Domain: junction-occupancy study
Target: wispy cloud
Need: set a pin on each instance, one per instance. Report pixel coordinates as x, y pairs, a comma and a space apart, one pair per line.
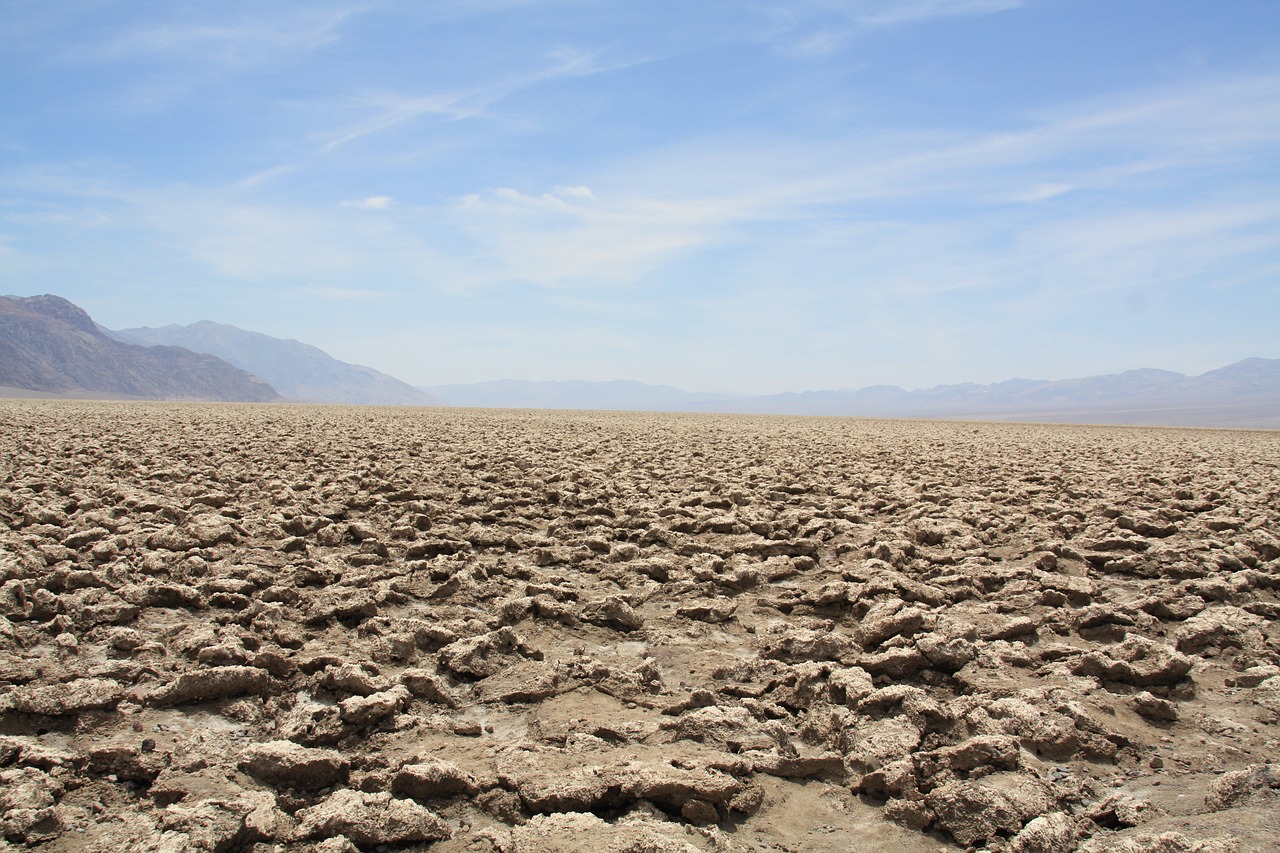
820, 27
913, 11
966, 193
221, 38
340, 294
1071, 209
391, 110
373, 202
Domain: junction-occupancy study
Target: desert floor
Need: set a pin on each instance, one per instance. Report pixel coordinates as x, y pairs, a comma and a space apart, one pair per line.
292, 628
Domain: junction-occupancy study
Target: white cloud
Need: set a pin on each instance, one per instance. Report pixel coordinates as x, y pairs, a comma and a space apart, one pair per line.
219, 38
821, 27
890, 236
391, 109
913, 11
339, 294
373, 202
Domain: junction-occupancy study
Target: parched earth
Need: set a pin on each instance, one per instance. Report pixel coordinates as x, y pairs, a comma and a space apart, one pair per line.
275, 628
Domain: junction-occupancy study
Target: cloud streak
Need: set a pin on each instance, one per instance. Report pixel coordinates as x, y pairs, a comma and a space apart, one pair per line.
521, 164
392, 110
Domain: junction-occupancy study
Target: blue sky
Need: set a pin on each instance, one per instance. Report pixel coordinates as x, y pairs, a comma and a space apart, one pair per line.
726, 195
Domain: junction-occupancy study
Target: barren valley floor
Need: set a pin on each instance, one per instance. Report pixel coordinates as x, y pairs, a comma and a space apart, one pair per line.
293, 628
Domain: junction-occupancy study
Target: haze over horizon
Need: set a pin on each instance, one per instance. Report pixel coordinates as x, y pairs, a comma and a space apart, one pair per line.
731, 197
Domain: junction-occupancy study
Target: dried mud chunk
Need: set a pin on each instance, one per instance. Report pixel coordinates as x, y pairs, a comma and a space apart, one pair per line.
13, 600
162, 595
172, 539
708, 611
1154, 708
999, 627
1220, 626
427, 685
127, 763
528, 681
715, 725
1165, 842
849, 685
1121, 810
212, 825
975, 811
221, 682
946, 653
433, 778
1146, 527
895, 663
671, 785
1259, 782
1253, 676
354, 679
877, 743
343, 603
804, 645
210, 529
584, 833
826, 765
73, 697
1050, 833
612, 612
371, 819
888, 619
486, 654
1267, 694
31, 752
435, 547
982, 754
581, 789
27, 799
1048, 733
82, 538
363, 710
1137, 661
283, 762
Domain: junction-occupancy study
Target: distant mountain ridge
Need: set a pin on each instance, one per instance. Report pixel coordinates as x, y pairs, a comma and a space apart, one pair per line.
51, 346
619, 395
1244, 394
299, 371
48, 346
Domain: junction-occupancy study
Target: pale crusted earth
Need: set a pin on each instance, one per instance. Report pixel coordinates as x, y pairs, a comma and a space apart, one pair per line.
266, 628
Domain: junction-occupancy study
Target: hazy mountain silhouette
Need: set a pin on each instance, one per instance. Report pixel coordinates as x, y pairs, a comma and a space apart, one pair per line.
298, 371
1244, 394
49, 345
618, 395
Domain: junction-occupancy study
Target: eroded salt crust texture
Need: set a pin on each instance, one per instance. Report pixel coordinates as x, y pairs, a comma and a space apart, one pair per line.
318, 628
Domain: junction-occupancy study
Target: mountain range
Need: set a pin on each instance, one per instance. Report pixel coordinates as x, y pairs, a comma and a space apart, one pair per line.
50, 347
1244, 394
300, 372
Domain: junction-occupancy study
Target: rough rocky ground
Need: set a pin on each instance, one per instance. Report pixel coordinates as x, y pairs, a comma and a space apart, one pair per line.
270, 628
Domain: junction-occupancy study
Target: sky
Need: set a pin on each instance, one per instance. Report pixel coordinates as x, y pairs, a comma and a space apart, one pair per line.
747, 196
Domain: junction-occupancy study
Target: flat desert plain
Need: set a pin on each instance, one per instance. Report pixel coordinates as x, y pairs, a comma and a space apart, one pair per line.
290, 628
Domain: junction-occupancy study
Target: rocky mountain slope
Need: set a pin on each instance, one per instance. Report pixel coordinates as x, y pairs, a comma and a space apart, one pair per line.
298, 371
47, 344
